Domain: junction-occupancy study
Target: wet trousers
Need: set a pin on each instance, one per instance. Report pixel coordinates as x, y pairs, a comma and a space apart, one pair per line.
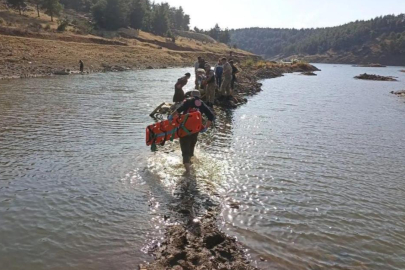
187, 145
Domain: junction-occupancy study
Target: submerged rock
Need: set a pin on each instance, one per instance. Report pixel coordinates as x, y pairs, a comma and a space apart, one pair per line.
200, 246
399, 93
62, 72
374, 77
370, 65
309, 73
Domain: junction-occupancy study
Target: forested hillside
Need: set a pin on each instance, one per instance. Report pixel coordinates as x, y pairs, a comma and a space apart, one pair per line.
377, 40
145, 15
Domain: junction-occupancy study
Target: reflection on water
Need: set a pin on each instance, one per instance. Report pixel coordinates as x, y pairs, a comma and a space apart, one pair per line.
309, 173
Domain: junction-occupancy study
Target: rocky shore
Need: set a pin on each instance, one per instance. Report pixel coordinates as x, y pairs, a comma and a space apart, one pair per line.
373, 77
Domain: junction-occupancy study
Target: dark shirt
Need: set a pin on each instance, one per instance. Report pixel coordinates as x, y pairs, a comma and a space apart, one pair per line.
196, 103
181, 82
234, 70
178, 89
218, 71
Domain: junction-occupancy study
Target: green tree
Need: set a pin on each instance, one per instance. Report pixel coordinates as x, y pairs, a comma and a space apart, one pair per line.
160, 19
138, 12
52, 8
116, 14
224, 36
37, 4
17, 4
98, 11
186, 22
214, 32
111, 14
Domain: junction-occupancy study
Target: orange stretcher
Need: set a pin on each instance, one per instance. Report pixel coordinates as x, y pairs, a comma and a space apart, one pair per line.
168, 130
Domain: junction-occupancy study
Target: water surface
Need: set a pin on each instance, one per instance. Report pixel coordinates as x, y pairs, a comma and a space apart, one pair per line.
315, 165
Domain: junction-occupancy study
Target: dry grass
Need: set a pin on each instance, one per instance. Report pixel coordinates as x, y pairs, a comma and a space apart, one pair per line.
31, 46
251, 63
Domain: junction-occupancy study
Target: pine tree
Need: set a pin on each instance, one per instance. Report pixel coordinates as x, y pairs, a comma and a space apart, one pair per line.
17, 4
137, 14
52, 8
116, 14
160, 19
98, 11
37, 5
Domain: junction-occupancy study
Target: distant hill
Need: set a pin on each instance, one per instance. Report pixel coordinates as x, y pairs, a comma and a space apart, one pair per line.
379, 40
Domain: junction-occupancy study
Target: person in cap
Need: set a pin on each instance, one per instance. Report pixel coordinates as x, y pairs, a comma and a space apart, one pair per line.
178, 88
210, 85
187, 143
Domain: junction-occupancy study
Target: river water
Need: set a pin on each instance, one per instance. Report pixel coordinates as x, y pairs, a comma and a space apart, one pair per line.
309, 173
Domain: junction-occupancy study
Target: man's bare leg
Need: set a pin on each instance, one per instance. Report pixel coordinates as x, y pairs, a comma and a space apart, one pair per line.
187, 166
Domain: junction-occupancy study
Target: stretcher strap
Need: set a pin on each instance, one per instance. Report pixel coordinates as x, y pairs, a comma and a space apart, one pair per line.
153, 136
183, 127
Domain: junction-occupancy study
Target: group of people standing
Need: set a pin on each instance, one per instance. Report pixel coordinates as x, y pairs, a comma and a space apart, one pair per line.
222, 77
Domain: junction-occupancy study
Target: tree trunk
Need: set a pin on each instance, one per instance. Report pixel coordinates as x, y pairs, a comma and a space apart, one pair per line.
51, 16
38, 10
19, 8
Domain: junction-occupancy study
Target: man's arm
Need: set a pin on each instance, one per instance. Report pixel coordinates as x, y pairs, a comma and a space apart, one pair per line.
205, 110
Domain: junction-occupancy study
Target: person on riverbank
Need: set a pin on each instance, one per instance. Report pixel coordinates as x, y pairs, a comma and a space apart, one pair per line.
81, 66
187, 143
234, 71
227, 78
178, 88
218, 73
210, 85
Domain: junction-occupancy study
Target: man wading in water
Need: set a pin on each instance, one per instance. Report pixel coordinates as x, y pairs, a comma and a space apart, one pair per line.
187, 143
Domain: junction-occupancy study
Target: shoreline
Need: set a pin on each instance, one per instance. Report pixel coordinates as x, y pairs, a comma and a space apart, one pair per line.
31, 57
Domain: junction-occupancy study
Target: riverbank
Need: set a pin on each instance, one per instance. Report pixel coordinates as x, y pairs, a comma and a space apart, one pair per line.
33, 57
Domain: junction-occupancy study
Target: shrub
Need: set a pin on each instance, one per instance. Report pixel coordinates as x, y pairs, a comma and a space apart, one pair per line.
62, 24
35, 26
2, 21
47, 27
249, 63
